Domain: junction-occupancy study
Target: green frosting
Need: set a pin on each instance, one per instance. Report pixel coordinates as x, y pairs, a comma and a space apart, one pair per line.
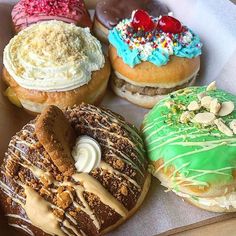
200, 154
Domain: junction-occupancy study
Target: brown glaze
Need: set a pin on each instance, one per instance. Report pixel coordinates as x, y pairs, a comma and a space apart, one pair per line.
110, 12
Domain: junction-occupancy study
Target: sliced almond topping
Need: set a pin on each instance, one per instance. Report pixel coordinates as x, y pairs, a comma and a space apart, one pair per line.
194, 106
226, 108
232, 126
205, 118
211, 86
185, 117
201, 95
215, 106
169, 103
206, 101
222, 127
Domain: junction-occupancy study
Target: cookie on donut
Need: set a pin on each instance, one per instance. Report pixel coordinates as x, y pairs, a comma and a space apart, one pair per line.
190, 138
28, 12
109, 13
54, 63
81, 172
152, 57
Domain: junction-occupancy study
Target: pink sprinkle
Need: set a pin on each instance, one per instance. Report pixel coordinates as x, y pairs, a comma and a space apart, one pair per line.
52, 7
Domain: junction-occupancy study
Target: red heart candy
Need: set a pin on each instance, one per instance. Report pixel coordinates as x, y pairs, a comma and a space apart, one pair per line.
169, 24
141, 19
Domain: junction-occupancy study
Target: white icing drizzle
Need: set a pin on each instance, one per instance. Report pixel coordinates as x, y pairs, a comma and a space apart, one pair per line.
23, 227
10, 194
186, 154
103, 165
135, 137
127, 159
170, 134
116, 120
156, 131
177, 138
18, 217
206, 143
69, 226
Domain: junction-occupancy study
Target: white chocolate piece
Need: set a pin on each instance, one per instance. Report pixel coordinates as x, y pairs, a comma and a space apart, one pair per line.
194, 106
226, 108
232, 126
222, 127
215, 106
206, 101
211, 86
205, 118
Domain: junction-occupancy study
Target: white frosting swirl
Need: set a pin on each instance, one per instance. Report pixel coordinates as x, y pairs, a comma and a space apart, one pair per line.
53, 56
86, 153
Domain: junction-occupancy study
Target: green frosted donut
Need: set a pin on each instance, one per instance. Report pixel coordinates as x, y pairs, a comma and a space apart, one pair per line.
188, 133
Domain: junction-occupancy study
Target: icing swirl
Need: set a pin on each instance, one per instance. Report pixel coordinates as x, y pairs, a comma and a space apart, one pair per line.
155, 46
201, 153
53, 56
86, 153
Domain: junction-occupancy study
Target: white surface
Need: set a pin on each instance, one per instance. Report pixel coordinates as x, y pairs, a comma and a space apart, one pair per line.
215, 22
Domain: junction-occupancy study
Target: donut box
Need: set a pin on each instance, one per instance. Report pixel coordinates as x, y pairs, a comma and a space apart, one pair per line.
163, 212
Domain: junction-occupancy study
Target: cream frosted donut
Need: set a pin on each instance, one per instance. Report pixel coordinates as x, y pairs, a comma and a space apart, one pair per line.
27, 12
55, 63
191, 142
152, 57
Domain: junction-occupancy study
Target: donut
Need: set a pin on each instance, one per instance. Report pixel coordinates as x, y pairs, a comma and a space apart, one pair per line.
107, 16
78, 172
28, 12
54, 63
190, 138
152, 57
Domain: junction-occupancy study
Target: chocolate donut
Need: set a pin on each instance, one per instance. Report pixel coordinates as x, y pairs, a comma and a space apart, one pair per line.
40, 196
109, 13
27, 12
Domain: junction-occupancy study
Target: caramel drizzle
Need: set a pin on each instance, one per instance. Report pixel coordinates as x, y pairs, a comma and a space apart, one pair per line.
89, 184
52, 206
79, 191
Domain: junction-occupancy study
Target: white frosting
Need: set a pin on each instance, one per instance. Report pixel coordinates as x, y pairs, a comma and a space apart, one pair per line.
226, 201
86, 153
53, 56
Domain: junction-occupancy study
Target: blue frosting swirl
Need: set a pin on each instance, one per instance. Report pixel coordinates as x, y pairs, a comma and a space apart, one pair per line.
158, 56
193, 49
